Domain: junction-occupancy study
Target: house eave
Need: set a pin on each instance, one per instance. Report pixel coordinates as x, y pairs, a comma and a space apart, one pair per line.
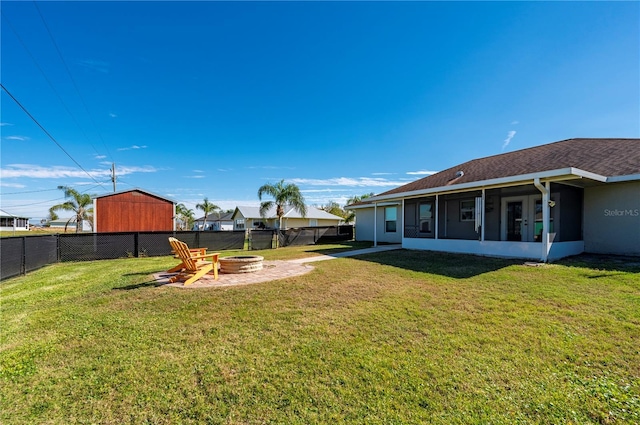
627, 178
569, 173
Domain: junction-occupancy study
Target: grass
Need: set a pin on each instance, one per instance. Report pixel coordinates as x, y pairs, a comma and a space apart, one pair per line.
394, 337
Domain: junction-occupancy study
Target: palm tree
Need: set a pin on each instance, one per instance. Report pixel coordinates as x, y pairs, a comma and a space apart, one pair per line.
185, 215
283, 194
79, 204
207, 207
354, 200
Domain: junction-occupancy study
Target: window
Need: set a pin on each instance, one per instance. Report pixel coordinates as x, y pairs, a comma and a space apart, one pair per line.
426, 217
468, 210
258, 224
240, 223
390, 219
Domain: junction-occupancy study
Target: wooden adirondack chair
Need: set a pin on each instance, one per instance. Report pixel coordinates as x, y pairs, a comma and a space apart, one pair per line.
193, 251
195, 265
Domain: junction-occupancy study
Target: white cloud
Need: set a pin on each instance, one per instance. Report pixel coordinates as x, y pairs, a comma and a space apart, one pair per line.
100, 156
16, 185
508, 139
348, 181
515, 122
20, 138
198, 176
112, 115
133, 147
382, 174
421, 173
39, 172
198, 171
2, 124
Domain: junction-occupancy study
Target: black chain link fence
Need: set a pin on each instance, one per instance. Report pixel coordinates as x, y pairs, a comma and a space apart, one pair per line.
22, 254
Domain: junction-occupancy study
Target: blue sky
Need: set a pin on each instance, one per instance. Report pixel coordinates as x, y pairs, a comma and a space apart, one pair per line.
342, 98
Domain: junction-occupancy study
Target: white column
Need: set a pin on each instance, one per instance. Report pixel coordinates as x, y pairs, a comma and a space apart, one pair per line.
436, 215
375, 224
484, 201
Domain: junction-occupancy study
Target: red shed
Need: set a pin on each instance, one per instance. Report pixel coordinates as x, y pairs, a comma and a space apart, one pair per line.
133, 210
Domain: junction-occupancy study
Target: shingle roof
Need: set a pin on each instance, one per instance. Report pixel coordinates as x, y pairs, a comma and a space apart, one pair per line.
290, 212
606, 157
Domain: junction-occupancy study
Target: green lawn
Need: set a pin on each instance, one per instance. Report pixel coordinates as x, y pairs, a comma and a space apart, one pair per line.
400, 337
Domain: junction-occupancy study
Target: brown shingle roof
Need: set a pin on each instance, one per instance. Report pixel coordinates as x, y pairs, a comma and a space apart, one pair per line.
606, 157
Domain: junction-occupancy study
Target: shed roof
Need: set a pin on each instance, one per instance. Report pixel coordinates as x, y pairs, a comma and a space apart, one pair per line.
164, 198
604, 157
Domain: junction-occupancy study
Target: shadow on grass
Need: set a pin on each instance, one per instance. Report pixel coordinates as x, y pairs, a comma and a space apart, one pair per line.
461, 266
147, 284
457, 266
612, 263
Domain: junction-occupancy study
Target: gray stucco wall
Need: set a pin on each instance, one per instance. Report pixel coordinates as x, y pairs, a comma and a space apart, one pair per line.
364, 225
612, 218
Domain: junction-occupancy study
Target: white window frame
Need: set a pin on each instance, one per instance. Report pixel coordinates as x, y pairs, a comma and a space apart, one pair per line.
387, 220
468, 212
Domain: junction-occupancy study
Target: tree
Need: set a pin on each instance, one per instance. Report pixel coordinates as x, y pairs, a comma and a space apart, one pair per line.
79, 204
185, 216
206, 207
49, 218
283, 195
334, 208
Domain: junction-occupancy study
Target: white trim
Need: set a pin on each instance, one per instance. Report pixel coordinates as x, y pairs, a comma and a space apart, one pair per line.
616, 179
95, 214
382, 204
375, 224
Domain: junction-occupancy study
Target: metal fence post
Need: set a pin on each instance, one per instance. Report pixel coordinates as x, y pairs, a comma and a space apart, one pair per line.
136, 244
23, 266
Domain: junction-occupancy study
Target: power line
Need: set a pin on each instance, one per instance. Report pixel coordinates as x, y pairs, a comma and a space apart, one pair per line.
47, 133
27, 191
53, 200
72, 79
49, 82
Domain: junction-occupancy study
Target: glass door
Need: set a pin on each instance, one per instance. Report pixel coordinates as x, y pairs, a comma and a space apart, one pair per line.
514, 221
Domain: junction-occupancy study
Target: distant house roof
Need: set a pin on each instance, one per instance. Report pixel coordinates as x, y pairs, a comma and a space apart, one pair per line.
214, 217
290, 212
600, 157
3, 213
135, 190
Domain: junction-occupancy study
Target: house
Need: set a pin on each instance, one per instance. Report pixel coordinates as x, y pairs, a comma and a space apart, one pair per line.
69, 224
250, 218
134, 210
214, 222
541, 203
10, 222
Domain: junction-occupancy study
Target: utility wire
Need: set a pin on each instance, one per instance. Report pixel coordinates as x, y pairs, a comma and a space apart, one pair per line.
27, 191
48, 134
72, 79
53, 200
49, 82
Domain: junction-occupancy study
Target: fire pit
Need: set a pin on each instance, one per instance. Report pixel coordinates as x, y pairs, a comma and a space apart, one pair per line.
241, 264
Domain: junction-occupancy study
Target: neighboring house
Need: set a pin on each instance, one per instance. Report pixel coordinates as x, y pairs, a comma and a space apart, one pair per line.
134, 210
9, 222
70, 224
223, 222
250, 218
542, 203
